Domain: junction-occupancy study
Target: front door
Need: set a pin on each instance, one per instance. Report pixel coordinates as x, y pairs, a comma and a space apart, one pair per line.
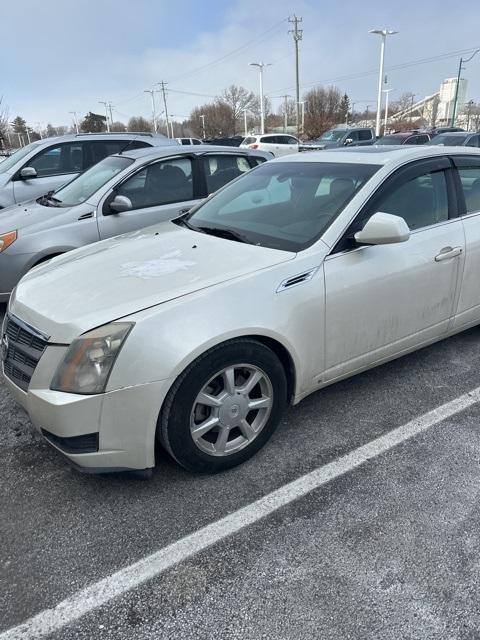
385, 299
158, 192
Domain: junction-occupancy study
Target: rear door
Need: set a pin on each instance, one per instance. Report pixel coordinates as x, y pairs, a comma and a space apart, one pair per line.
364, 137
55, 165
468, 172
382, 300
270, 143
161, 191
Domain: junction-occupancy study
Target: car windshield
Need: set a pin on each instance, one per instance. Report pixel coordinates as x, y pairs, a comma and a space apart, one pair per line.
449, 141
389, 140
12, 160
333, 134
87, 183
282, 205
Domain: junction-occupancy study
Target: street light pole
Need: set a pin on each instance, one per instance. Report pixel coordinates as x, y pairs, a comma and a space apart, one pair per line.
260, 66
245, 125
386, 92
303, 102
203, 126
154, 109
384, 33
455, 100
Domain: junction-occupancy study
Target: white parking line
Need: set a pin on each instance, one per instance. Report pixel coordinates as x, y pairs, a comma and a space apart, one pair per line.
119, 583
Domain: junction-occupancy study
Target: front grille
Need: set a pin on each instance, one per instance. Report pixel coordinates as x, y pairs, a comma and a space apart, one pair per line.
22, 348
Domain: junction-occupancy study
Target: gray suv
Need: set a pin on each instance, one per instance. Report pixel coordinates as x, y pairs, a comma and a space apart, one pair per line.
121, 193
45, 165
342, 137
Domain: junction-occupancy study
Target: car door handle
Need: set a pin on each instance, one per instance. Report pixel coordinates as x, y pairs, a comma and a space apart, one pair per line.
447, 253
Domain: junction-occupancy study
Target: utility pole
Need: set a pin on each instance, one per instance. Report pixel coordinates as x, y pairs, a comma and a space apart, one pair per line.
74, 120
202, 117
297, 36
285, 115
455, 100
110, 107
154, 109
105, 103
162, 85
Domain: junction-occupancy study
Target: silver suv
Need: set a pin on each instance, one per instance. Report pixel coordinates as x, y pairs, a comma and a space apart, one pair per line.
121, 193
45, 165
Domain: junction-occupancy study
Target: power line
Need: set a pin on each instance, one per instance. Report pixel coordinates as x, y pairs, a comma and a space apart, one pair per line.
234, 52
404, 65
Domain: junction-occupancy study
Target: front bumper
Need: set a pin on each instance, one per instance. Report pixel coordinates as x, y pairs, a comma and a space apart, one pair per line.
125, 419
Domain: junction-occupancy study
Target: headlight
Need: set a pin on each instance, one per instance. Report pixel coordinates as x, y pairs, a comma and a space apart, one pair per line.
87, 365
6, 239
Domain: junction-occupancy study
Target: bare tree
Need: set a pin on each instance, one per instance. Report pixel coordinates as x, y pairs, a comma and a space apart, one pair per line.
139, 124
218, 118
117, 126
325, 107
4, 143
238, 99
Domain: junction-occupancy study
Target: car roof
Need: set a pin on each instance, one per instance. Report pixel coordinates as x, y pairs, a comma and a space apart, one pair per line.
160, 152
457, 134
155, 138
383, 154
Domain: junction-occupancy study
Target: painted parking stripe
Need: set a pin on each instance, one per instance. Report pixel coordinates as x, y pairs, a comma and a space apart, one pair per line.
126, 579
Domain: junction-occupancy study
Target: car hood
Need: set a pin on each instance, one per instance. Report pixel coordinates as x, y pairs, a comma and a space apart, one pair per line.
20, 216
108, 280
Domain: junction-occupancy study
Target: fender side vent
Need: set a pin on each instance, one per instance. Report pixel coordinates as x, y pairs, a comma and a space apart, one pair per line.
298, 279
86, 216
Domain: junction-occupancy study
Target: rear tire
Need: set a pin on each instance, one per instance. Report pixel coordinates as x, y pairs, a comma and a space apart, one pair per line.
224, 407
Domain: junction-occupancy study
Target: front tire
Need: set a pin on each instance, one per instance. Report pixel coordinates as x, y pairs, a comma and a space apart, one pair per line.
224, 407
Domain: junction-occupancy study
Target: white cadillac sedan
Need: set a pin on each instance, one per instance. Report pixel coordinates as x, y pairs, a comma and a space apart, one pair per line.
198, 332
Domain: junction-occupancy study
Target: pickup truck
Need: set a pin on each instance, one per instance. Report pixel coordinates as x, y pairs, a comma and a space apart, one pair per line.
341, 137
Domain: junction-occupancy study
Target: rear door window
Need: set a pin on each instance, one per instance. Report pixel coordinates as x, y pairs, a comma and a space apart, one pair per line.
223, 168
470, 179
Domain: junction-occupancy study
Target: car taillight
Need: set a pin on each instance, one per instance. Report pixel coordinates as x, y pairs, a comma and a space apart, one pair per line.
253, 146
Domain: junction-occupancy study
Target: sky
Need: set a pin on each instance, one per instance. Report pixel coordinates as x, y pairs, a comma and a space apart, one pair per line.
58, 56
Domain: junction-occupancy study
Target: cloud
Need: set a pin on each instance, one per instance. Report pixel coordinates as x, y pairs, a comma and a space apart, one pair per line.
69, 55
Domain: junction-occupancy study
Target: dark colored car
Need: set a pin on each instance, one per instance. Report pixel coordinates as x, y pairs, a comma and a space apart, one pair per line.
457, 139
231, 141
341, 137
405, 137
438, 130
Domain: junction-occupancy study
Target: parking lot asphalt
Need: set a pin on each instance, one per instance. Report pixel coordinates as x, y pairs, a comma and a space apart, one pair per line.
388, 550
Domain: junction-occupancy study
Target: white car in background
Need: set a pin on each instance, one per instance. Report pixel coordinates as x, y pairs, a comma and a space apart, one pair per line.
198, 332
280, 144
188, 141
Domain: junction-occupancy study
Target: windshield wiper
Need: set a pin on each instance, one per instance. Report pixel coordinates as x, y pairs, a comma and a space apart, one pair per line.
49, 201
228, 234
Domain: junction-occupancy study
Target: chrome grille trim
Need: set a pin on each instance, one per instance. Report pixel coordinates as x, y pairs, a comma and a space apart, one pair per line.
25, 347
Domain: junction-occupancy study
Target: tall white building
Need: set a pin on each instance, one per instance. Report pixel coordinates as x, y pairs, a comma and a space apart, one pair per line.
447, 98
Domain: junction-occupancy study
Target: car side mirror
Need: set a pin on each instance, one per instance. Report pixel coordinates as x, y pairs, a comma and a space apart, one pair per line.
120, 204
348, 141
27, 173
383, 228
